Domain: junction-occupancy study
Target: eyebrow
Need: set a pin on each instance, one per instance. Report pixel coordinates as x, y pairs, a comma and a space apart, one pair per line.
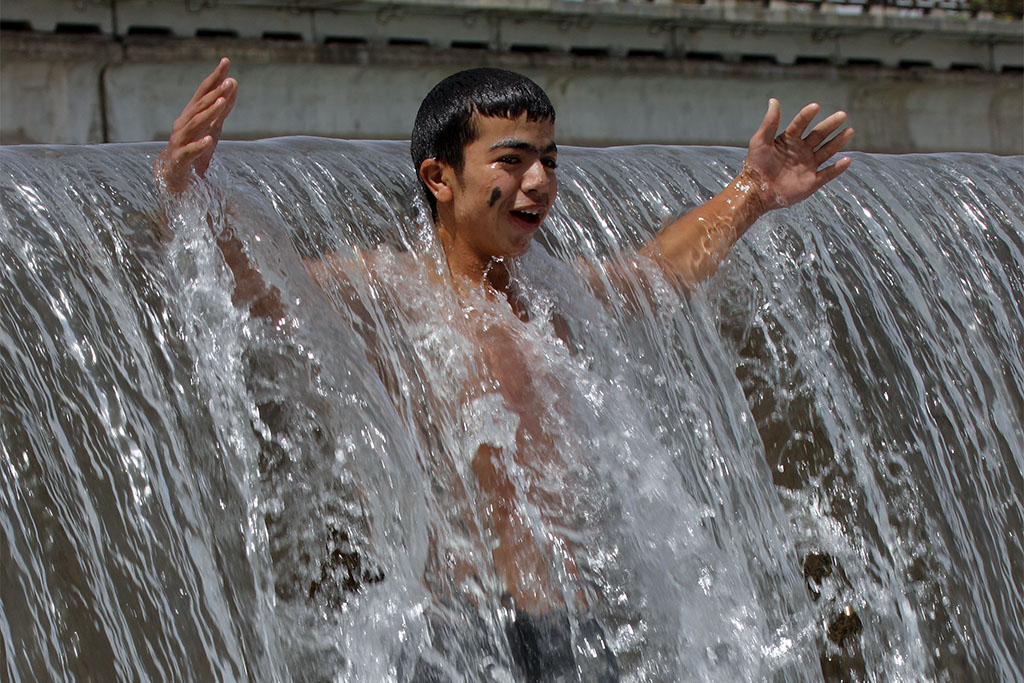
515, 143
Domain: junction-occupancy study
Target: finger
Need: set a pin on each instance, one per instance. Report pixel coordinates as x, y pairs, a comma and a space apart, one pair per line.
229, 104
833, 146
192, 151
803, 119
825, 128
230, 95
830, 173
220, 106
184, 155
176, 168
209, 85
197, 108
765, 134
202, 123
214, 79
224, 89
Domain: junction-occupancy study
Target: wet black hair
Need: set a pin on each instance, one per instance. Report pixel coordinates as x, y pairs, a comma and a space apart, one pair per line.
444, 122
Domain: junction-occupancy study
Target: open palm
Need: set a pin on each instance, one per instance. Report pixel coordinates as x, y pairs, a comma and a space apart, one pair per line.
787, 165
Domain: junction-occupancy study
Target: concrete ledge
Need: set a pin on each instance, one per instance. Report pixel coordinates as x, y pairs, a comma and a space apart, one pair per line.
52, 89
47, 16
95, 89
724, 30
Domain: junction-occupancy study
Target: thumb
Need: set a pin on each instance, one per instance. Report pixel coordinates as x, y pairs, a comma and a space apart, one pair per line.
765, 134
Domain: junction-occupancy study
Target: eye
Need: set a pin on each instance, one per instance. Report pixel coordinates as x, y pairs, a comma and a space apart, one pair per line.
550, 163
509, 160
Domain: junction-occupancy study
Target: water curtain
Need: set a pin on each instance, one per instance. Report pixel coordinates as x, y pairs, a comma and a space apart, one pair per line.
812, 467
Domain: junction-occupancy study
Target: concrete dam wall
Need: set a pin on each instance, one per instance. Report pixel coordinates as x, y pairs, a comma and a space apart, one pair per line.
118, 71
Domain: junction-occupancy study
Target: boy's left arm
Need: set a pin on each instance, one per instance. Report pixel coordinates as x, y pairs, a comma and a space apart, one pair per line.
778, 171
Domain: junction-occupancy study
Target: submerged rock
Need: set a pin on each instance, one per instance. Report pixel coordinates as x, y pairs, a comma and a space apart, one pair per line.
846, 625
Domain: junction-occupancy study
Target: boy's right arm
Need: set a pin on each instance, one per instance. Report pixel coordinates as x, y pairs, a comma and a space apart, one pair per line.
189, 151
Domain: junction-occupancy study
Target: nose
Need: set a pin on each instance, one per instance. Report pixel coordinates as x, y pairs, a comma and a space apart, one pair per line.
535, 178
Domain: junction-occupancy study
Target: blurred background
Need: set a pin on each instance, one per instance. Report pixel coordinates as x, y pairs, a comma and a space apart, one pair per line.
915, 75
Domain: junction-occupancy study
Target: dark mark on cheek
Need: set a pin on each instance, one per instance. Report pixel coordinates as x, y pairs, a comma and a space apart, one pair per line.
495, 196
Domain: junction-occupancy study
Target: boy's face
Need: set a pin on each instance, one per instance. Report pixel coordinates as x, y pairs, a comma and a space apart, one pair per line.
506, 187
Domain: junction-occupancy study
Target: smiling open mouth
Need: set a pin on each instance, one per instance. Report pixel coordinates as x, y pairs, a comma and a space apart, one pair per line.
531, 217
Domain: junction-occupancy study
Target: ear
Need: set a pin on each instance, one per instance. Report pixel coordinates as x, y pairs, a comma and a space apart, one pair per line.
438, 178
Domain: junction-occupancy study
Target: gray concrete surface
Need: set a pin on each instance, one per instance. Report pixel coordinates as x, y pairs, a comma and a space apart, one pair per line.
619, 74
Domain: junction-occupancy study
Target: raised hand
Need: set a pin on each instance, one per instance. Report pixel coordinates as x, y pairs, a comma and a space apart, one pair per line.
786, 166
196, 132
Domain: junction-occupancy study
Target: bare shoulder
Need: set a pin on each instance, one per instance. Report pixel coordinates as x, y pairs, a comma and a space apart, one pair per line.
341, 266
333, 268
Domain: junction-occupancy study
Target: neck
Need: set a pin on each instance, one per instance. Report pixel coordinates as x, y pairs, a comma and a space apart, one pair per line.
465, 265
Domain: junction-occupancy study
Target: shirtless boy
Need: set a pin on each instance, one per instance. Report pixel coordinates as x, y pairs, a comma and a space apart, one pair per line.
484, 151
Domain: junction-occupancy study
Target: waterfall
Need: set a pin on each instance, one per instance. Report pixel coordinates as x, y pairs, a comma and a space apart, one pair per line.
812, 467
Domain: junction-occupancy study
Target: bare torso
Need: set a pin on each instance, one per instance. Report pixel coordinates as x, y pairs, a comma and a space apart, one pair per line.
530, 557
518, 483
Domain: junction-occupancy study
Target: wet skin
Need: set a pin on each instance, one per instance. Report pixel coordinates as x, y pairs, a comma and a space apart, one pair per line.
528, 559
491, 208
488, 211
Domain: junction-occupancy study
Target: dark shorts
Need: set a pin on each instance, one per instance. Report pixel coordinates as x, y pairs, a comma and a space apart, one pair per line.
543, 649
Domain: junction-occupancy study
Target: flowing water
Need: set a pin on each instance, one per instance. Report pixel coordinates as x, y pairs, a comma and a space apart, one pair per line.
811, 468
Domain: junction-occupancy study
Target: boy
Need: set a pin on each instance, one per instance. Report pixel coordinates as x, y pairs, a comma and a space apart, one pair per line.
484, 151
